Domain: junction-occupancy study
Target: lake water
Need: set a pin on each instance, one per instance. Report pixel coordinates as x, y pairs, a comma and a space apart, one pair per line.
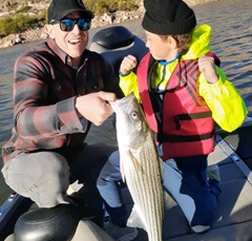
231, 22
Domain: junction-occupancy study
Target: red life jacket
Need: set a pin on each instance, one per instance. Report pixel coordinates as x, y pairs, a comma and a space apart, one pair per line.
183, 122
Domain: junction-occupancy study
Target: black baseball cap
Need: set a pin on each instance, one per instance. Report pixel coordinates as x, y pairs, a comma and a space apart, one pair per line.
58, 9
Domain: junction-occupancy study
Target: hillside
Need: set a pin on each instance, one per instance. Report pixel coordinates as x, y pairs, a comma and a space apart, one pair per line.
36, 7
11, 6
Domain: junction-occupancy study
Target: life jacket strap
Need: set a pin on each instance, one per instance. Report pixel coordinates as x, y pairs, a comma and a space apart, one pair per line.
191, 116
176, 138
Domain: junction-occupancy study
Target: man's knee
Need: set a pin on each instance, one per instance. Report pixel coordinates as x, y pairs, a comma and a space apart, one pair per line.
50, 189
43, 177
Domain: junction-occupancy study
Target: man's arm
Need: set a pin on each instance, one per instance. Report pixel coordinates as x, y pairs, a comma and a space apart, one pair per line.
33, 115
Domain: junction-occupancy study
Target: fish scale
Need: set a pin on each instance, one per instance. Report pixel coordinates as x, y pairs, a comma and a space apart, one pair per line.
140, 165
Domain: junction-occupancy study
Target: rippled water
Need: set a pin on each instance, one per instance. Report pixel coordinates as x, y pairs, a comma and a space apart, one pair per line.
231, 22
232, 41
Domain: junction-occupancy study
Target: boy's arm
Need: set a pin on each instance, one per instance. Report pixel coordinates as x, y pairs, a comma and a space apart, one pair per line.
128, 84
227, 106
128, 79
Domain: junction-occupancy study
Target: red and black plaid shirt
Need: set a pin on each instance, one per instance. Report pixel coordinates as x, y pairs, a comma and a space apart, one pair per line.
44, 92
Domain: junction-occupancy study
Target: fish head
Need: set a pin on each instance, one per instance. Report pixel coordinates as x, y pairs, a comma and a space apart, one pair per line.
131, 126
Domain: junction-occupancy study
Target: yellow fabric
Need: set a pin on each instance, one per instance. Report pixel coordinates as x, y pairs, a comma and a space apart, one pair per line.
200, 42
227, 106
129, 84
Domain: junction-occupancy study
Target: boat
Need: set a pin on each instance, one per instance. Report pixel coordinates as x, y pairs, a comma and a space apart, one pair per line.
233, 154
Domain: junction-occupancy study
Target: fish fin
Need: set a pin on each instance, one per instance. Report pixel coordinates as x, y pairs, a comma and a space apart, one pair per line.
134, 220
122, 171
136, 163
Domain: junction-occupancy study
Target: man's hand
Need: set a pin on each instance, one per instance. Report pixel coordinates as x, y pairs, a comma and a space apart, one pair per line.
207, 67
95, 107
129, 62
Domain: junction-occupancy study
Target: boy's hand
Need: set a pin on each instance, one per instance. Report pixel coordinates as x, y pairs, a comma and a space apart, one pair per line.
95, 107
129, 62
207, 67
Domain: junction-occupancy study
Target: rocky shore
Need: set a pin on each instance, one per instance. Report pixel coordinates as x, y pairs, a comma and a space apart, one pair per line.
98, 21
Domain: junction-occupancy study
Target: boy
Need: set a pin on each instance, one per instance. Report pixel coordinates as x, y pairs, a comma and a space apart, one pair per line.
182, 93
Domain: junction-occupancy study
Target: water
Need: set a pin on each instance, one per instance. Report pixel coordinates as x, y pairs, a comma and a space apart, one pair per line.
231, 21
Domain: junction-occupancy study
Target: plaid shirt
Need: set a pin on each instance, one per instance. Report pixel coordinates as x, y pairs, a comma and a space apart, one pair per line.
45, 90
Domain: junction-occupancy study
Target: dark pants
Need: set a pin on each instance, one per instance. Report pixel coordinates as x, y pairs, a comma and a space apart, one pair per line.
184, 178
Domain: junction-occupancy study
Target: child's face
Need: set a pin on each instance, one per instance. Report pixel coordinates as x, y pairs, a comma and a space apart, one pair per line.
161, 48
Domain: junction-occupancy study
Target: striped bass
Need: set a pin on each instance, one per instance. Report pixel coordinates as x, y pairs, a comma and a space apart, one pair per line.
140, 165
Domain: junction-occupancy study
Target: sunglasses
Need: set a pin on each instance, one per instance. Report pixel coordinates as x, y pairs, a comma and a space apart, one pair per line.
67, 24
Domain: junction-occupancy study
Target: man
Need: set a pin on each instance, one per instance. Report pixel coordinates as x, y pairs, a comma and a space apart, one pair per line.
60, 89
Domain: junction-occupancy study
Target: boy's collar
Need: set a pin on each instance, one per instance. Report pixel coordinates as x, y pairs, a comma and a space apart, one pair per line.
165, 62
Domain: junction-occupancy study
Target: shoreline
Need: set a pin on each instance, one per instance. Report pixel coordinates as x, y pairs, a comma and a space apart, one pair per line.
104, 20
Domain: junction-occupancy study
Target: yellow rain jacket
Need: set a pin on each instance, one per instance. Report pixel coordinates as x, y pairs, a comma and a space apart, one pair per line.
227, 106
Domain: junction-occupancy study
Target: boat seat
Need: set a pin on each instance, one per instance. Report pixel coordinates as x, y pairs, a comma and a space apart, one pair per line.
57, 224
85, 229
113, 37
114, 43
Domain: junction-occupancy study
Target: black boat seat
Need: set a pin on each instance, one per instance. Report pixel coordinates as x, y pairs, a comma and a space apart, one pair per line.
50, 224
86, 231
113, 37
114, 43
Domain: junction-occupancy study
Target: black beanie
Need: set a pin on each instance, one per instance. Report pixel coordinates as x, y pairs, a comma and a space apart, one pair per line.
168, 17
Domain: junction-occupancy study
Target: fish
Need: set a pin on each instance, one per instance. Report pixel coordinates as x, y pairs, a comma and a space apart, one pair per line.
140, 165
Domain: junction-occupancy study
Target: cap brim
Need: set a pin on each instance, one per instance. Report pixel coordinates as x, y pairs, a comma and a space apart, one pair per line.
87, 13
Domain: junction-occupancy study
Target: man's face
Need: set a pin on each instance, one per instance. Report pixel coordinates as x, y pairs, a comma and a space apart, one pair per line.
74, 42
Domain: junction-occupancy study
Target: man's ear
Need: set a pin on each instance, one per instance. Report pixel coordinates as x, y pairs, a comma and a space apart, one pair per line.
49, 30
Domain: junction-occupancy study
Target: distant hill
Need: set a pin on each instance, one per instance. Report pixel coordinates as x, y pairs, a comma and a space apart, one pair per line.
36, 8
13, 5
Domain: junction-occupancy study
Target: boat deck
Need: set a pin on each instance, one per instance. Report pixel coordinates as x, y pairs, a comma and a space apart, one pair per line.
233, 155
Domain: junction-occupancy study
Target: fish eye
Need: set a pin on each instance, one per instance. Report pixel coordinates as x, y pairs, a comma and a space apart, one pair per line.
134, 115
